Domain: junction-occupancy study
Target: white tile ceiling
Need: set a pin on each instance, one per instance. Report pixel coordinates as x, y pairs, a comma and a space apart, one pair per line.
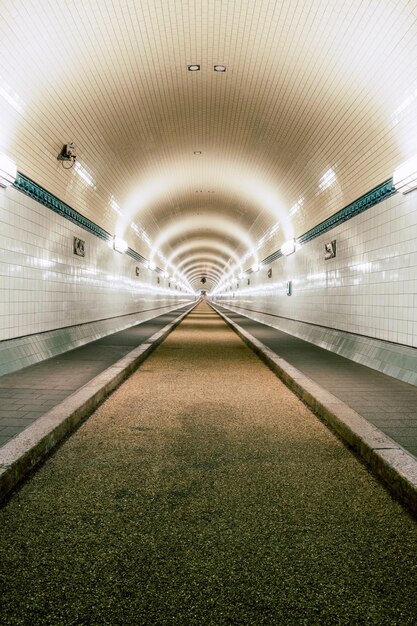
311, 87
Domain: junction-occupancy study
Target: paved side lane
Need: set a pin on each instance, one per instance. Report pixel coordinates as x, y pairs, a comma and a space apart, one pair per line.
388, 403
29, 447
29, 393
203, 492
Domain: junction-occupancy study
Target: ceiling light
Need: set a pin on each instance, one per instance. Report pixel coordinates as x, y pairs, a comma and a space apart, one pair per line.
8, 171
327, 179
120, 245
219, 68
405, 176
193, 67
288, 247
82, 172
11, 97
297, 206
115, 206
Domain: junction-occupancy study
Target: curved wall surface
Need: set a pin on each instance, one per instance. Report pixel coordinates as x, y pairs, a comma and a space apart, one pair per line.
361, 304
53, 300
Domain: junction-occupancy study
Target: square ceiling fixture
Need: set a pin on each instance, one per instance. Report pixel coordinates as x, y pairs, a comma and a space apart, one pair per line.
219, 68
193, 67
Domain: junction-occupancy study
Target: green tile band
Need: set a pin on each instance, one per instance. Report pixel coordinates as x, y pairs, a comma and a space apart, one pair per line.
35, 191
368, 200
38, 193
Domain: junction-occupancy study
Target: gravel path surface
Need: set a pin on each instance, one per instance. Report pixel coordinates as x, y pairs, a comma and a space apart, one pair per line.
203, 492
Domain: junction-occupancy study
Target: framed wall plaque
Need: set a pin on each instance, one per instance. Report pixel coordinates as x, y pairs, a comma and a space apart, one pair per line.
330, 250
79, 246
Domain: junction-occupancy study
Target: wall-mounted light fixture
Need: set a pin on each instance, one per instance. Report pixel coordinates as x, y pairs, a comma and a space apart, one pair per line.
8, 171
256, 267
405, 176
151, 265
288, 247
120, 245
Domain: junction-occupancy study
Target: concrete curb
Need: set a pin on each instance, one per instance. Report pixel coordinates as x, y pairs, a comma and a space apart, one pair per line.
22, 454
396, 467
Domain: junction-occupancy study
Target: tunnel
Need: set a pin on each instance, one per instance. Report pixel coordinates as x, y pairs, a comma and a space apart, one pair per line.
208, 312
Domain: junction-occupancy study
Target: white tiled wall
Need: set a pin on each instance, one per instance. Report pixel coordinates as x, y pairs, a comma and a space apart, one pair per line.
45, 287
355, 303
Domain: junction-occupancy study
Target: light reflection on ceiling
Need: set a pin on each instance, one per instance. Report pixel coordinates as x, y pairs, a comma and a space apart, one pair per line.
314, 109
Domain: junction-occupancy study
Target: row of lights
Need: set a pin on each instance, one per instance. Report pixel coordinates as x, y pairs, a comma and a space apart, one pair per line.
120, 245
289, 247
404, 180
8, 174
69, 153
196, 67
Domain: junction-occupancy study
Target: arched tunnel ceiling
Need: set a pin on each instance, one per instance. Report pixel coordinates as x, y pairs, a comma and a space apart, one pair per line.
313, 110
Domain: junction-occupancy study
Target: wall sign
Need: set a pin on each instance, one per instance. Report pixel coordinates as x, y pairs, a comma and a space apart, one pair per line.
289, 287
330, 250
79, 246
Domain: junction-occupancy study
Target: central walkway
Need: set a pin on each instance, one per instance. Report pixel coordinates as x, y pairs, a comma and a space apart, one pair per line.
203, 492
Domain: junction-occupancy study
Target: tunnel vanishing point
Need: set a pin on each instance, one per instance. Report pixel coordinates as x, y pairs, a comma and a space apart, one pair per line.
208, 313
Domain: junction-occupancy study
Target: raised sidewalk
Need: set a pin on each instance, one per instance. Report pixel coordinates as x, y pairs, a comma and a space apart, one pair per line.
373, 413
42, 403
